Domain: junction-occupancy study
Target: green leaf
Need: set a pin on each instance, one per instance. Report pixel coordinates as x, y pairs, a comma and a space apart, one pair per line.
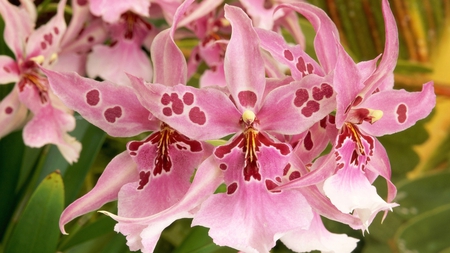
427, 232
198, 241
37, 228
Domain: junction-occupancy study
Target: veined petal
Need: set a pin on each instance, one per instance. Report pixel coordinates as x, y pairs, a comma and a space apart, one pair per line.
12, 113
9, 71
45, 41
110, 11
120, 171
317, 237
243, 63
304, 102
112, 63
401, 109
111, 107
18, 26
200, 114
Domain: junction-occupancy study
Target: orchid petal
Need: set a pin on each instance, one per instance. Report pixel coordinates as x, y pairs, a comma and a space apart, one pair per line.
71, 62
18, 26
111, 11
317, 237
9, 71
305, 102
201, 114
120, 171
262, 17
12, 113
401, 109
80, 13
199, 11
244, 65
314, 142
214, 77
111, 107
113, 62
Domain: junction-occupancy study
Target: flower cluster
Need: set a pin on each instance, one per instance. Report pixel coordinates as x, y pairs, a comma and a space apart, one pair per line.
275, 109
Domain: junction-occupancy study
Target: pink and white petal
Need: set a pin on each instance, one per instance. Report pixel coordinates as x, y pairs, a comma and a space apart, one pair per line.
314, 142
18, 26
71, 62
46, 40
9, 71
317, 237
401, 109
111, 107
304, 102
262, 17
350, 191
243, 63
13, 113
208, 177
200, 114
291, 23
113, 63
80, 13
326, 42
111, 11
199, 11
367, 68
170, 67
92, 34
214, 77
258, 221
120, 171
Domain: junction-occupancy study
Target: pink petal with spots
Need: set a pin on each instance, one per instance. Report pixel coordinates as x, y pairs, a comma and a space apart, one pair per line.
313, 143
113, 108
317, 237
305, 102
326, 42
120, 171
211, 115
18, 26
12, 113
113, 63
206, 180
401, 109
91, 34
9, 71
46, 39
244, 65
111, 11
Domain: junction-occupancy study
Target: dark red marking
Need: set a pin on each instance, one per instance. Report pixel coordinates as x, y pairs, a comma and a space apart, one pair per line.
8, 110
165, 99
144, 178
111, 114
6, 69
82, 2
301, 65
197, 116
223, 166
177, 104
301, 96
247, 98
270, 185
231, 188
288, 55
294, 175
286, 169
188, 98
402, 113
90, 39
43, 45
56, 30
167, 111
93, 97
49, 38
308, 142
357, 100
325, 90
311, 107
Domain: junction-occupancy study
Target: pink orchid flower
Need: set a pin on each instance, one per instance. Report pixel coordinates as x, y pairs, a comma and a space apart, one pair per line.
51, 120
253, 161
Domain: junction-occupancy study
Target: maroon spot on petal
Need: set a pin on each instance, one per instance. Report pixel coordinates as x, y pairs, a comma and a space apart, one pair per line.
56, 30
247, 98
177, 104
6, 69
301, 96
294, 175
223, 150
311, 107
286, 169
43, 45
278, 179
134, 145
270, 185
340, 166
310, 68
90, 39
325, 90
281, 147
111, 114
132, 153
223, 166
331, 119
402, 113
143, 179
301, 65
197, 116
165, 99
323, 123
93, 97
8, 110
231, 188
82, 2
188, 98
167, 111
48, 38
288, 55
307, 142
357, 101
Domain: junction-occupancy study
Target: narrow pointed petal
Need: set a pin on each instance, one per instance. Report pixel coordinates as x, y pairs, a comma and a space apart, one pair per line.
317, 237
244, 65
401, 109
120, 171
80, 13
113, 108
12, 113
326, 42
110, 11
9, 71
114, 63
304, 102
201, 114
18, 26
